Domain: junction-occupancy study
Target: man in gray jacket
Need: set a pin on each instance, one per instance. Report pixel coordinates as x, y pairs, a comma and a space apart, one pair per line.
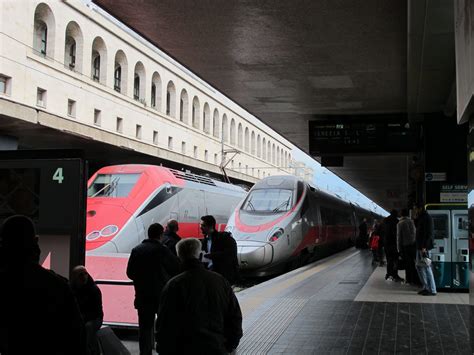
406, 244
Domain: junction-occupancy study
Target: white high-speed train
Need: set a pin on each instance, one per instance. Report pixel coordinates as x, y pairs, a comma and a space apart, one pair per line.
283, 220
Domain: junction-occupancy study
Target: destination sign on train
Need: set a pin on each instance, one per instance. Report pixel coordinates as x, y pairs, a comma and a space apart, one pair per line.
344, 136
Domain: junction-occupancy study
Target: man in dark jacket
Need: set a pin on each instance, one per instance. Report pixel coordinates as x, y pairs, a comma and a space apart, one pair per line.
390, 245
363, 235
150, 266
89, 299
170, 236
199, 313
220, 250
424, 243
38, 312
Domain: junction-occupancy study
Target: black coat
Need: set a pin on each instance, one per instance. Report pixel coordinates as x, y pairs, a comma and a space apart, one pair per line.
223, 254
424, 231
389, 232
150, 266
198, 314
89, 299
170, 239
39, 314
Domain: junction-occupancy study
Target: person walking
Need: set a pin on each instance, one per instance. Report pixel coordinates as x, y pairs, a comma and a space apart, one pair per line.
170, 236
199, 313
220, 250
424, 243
363, 236
38, 311
390, 245
406, 246
89, 299
150, 266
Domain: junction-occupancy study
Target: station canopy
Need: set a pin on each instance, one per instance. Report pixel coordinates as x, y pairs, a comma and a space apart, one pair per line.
291, 62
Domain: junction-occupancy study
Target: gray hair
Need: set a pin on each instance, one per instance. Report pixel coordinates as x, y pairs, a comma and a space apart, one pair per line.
188, 248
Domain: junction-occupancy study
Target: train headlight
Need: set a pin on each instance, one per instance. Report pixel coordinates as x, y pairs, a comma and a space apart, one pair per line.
109, 230
276, 235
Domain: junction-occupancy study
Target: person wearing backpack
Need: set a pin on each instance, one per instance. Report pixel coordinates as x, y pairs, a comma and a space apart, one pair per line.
150, 266
220, 250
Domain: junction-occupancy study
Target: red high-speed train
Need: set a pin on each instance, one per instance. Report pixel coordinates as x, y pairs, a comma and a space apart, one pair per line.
123, 201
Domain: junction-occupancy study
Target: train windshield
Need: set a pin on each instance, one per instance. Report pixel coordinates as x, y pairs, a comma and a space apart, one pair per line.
268, 200
112, 185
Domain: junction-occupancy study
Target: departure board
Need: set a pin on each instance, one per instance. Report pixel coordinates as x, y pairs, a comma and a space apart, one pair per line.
355, 136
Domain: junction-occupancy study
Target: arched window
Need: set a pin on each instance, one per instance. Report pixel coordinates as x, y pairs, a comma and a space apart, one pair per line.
73, 47
252, 143
232, 132
120, 72
259, 147
139, 81
264, 148
195, 112
225, 128
184, 107
269, 152
44, 31
216, 124
240, 136
247, 139
206, 118
278, 157
156, 91
171, 99
273, 154
99, 61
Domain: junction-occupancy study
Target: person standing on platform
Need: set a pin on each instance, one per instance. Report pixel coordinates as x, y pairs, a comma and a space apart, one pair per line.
220, 250
424, 243
390, 245
199, 313
170, 236
406, 246
38, 311
150, 266
363, 235
89, 299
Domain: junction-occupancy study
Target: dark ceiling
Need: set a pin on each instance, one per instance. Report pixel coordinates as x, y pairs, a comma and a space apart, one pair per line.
287, 62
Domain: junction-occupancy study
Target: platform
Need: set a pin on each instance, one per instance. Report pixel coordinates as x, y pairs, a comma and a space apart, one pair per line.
343, 305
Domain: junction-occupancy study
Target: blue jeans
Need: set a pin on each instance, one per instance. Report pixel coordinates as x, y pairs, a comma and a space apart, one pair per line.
425, 273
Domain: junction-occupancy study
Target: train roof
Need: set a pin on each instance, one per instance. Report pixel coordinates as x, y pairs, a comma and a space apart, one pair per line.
169, 174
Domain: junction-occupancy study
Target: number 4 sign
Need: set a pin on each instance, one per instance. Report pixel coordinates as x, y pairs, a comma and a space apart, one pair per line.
58, 175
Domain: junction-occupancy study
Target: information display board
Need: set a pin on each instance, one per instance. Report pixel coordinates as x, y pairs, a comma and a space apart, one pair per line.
50, 188
361, 134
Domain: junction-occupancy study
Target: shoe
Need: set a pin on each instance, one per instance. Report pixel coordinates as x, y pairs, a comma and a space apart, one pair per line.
429, 294
424, 292
398, 279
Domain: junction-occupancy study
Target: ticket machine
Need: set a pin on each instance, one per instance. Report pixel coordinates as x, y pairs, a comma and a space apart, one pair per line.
451, 245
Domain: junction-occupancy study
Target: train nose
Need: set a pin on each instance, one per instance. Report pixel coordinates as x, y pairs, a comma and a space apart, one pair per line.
254, 254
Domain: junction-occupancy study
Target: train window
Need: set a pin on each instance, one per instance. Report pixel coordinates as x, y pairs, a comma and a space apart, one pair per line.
112, 185
462, 225
268, 201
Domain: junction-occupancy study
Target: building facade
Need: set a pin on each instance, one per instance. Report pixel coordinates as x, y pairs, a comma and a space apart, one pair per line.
69, 61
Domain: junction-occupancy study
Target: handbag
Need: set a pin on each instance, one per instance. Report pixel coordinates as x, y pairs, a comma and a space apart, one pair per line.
424, 261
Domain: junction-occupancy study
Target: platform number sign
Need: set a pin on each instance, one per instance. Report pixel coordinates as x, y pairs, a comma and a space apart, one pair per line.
58, 176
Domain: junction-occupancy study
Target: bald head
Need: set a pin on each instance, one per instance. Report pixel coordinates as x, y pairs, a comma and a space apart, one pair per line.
18, 240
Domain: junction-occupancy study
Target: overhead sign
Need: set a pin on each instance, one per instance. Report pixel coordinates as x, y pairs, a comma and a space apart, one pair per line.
453, 194
435, 176
342, 135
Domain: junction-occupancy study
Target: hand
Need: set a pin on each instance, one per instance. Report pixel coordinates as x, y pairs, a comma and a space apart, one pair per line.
423, 250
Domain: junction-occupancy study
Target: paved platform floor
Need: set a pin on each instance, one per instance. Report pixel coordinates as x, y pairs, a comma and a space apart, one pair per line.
343, 305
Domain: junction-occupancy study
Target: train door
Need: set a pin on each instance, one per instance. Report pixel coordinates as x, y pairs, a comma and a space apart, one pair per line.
460, 249
441, 253
191, 207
